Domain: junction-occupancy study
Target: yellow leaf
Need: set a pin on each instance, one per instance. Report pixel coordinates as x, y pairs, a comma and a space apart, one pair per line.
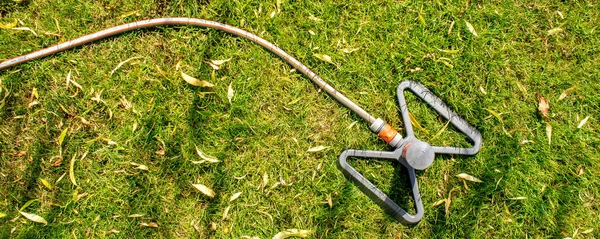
27, 204
24, 29
205, 158
415, 123
205, 190
468, 177
518, 198
549, 132
567, 92
317, 149
235, 196
448, 51
136, 215
226, 213
440, 202
2, 215
495, 114
323, 57
196, 82
123, 63
149, 224
471, 28
292, 233
350, 50
61, 137
46, 183
71, 171
220, 62
521, 88
230, 92
441, 131
9, 25
34, 218
127, 14
554, 31
421, 18
583, 122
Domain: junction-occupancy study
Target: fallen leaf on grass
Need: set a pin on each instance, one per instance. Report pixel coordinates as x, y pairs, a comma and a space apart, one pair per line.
346, 50
127, 14
46, 183
292, 233
567, 92
448, 51
323, 57
193, 81
71, 171
136, 215
440, 202
351, 125
112, 231
521, 88
415, 123
554, 31
579, 170
71, 81
2, 215
205, 158
123, 63
24, 29
495, 114
27, 204
235, 196
468, 177
317, 149
34, 218
230, 92
518, 198
220, 62
62, 136
549, 132
265, 180
226, 213
18, 154
543, 106
316, 19
149, 224
142, 167
471, 28
205, 190
583, 122
160, 152
9, 25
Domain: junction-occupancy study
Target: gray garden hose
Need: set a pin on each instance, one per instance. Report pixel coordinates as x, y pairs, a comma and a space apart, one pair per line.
410, 152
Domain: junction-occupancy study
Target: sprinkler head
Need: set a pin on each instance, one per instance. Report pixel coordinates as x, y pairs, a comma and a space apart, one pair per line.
418, 154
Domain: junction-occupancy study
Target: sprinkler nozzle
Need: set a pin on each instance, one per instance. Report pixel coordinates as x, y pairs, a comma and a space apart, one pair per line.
418, 154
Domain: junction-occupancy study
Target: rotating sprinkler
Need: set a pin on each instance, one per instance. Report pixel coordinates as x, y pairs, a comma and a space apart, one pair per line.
409, 151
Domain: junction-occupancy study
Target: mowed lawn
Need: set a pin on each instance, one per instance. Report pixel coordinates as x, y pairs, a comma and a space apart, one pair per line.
107, 140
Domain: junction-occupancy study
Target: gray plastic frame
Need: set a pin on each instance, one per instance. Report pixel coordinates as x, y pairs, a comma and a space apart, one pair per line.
377, 195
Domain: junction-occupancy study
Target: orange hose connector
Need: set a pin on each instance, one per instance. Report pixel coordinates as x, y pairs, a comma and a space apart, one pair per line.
387, 133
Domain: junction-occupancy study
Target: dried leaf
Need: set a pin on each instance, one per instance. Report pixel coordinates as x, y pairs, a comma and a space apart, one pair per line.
265, 180
555, 31
316, 19
34, 218
292, 233
230, 92
448, 51
566, 92
351, 125
205, 190
583, 122
323, 57
580, 170
136, 215
440, 202
471, 28
226, 213
2, 215
311, 32
127, 14
46, 183
495, 114
161, 152
549, 132
123, 63
543, 106
347, 50
235, 196
149, 224
18, 154
213, 226
518, 198
24, 29
440, 131
220, 62
142, 167
588, 231
71, 171
196, 82
468, 177
112, 231
317, 149
205, 158
415, 123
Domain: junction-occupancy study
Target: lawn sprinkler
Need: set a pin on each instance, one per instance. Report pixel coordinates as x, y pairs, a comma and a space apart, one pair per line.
409, 151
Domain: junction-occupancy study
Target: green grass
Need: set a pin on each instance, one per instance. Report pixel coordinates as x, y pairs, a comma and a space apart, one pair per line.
277, 115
